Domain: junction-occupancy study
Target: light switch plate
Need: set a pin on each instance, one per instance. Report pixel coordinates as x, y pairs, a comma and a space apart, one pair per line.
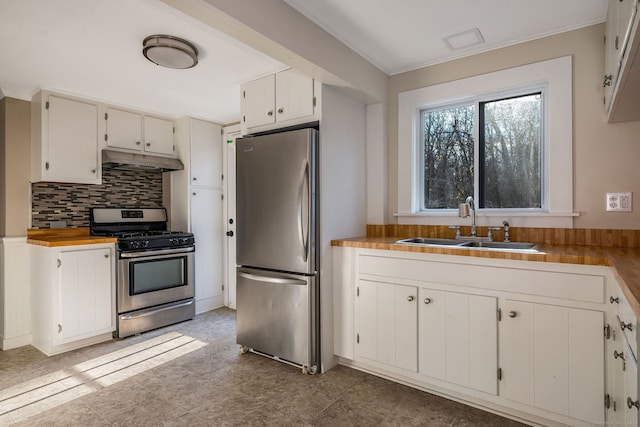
621, 202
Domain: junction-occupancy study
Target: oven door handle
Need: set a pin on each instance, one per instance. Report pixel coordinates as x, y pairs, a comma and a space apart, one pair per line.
159, 252
150, 313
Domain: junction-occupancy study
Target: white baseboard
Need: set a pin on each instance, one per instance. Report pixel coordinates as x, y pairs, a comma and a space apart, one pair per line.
15, 342
208, 304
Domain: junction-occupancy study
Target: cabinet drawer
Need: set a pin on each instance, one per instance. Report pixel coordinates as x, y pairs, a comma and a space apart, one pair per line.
569, 286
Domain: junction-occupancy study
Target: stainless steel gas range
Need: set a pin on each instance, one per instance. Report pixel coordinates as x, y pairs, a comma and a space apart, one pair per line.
155, 268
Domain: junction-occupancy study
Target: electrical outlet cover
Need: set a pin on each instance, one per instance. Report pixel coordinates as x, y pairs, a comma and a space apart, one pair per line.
620, 202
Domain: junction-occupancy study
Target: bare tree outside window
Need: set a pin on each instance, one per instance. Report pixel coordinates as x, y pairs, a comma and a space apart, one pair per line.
448, 156
512, 144
510, 154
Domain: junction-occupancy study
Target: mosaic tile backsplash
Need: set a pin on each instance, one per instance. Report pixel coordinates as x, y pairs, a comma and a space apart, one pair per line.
53, 201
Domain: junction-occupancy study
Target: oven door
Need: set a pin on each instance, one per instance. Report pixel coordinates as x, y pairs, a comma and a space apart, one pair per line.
146, 279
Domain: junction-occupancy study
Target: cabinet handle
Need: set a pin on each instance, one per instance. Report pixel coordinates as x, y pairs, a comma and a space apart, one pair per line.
280, 110
513, 314
410, 298
615, 300
138, 143
617, 355
607, 80
270, 113
631, 403
93, 171
194, 193
59, 328
195, 179
628, 326
148, 144
427, 300
106, 255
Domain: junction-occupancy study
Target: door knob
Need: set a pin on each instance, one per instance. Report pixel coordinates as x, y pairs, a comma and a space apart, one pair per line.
513, 314
230, 233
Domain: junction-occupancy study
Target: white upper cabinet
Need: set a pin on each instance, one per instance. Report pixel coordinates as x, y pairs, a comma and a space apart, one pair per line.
282, 99
294, 96
621, 44
64, 140
258, 102
134, 131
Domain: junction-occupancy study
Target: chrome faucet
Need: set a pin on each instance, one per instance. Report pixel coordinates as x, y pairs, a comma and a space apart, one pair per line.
506, 230
463, 212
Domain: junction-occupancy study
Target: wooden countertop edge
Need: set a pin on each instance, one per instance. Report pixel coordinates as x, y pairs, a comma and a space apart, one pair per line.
624, 263
65, 237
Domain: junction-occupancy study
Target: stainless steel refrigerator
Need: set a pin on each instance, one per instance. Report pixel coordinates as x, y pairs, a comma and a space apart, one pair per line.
277, 246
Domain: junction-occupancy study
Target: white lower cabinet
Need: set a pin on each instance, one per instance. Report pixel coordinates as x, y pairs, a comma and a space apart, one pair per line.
459, 338
553, 359
73, 296
524, 339
386, 324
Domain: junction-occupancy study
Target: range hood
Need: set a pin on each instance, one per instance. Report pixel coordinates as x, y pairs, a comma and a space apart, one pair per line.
121, 160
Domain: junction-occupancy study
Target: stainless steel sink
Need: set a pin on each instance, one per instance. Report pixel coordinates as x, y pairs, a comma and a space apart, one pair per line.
430, 241
498, 245
475, 244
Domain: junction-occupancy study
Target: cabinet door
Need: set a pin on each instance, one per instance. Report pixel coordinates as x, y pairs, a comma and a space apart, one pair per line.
459, 338
386, 324
85, 295
553, 359
294, 95
206, 217
158, 135
206, 154
257, 102
72, 134
124, 129
631, 396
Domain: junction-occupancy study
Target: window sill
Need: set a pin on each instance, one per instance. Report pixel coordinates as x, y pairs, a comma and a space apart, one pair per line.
491, 218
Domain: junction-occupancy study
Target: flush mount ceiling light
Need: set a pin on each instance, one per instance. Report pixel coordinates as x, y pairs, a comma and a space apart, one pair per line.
170, 51
464, 39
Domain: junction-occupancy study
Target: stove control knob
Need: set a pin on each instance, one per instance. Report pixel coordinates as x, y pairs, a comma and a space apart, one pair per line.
145, 243
185, 240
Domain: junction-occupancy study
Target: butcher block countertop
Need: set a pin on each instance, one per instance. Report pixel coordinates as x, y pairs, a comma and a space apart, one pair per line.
625, 262
53, 237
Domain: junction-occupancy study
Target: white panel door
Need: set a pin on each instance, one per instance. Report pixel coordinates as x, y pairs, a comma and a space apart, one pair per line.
158, 135
124, 129
459, 338
432, 339
517, 351
206, 154
294, 95
551, 357
366, 320
206, 208
73, 141
86, 305
258, 102
406, 327
586, 364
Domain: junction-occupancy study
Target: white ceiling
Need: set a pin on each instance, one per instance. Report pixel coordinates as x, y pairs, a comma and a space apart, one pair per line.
92, 48
401, 35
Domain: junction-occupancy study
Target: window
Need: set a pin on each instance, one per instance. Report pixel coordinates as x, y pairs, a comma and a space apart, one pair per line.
504, 139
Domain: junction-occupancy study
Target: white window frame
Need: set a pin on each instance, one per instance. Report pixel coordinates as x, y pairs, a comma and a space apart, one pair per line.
556, 77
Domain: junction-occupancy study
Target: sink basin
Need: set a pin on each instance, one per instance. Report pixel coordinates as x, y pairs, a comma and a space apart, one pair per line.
499, 245
430, 241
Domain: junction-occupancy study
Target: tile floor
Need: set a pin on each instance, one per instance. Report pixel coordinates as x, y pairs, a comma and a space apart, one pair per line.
192, 374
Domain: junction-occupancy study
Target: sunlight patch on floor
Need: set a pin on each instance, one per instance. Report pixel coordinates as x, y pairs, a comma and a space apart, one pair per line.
33, 397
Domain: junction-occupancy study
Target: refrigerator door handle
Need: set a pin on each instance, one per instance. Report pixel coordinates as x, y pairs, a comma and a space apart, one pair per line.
267, 279
303, 207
